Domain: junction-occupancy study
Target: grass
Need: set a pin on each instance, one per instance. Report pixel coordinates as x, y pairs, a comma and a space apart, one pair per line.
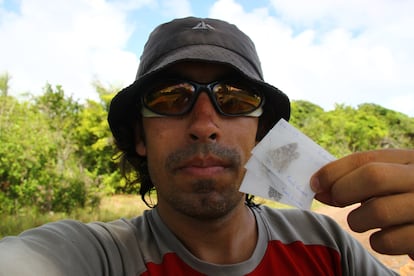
111, 208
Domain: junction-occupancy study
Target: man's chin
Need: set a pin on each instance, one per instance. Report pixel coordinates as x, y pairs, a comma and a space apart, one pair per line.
208, 205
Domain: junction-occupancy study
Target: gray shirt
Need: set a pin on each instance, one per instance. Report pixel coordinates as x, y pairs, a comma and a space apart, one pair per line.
145, 245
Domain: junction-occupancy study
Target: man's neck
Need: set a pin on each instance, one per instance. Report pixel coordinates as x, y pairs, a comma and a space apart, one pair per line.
226, 240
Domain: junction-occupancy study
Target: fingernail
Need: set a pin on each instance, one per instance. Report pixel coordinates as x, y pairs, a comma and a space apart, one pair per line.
315, 185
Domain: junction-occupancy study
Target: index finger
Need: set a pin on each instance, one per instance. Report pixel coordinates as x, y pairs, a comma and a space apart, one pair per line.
323, 179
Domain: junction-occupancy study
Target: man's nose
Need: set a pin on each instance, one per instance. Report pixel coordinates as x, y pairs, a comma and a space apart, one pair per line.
204, 121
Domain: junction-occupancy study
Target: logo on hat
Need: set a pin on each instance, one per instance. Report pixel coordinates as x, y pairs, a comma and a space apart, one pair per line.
203, 26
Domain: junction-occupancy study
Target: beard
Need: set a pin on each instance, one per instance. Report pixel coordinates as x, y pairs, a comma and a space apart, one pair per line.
209, 199
208, 204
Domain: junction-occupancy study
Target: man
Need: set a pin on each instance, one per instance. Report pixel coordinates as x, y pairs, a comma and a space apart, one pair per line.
187, 125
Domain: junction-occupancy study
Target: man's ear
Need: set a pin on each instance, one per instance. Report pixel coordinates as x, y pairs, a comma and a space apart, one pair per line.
140, 147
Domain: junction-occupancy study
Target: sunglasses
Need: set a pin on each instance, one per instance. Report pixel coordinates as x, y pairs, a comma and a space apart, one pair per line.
176, 97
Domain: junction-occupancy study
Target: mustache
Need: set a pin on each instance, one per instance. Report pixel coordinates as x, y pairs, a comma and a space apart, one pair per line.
227, 154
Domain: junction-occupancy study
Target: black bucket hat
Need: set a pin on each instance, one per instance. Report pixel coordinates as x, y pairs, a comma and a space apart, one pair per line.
202, 40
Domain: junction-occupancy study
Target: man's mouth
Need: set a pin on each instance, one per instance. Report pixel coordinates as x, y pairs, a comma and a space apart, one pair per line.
206, 166
203, 160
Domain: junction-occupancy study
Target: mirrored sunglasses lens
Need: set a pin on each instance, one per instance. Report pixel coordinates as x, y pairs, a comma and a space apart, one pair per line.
236, 100
170, 99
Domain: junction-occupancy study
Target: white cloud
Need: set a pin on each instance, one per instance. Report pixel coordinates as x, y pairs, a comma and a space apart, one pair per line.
332, 52
176, 8
402, 101
350, 13
68, 43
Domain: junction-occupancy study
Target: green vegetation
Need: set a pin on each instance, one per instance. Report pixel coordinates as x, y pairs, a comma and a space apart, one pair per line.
110, 208
346, 129
57, 155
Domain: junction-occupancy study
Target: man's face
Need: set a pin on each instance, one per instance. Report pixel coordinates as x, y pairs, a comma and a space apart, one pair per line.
196, 161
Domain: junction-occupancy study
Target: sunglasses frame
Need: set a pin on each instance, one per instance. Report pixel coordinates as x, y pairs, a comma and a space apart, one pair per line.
208, 88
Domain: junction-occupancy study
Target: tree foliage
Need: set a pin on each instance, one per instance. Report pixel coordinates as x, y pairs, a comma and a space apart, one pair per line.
345, 129
38, 165
57, 154
94, 141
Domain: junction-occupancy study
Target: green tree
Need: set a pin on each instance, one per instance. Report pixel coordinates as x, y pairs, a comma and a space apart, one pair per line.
24, 154
62, 115
4, 84
400, 127
96, 149
37, 166
325, 128
346, 129
304, 113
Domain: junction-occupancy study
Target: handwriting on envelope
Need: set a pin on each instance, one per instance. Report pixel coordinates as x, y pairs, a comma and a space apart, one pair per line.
282, 164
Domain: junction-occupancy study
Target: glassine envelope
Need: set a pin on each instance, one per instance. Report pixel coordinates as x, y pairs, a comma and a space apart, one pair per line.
282, 164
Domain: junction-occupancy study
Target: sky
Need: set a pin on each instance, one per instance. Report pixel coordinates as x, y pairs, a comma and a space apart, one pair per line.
324, 51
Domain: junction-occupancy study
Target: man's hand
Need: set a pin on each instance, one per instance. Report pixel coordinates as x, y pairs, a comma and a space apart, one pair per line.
383, 182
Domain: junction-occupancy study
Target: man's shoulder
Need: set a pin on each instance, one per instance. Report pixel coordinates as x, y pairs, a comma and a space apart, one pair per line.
124, 228
290, 214
73, 246
290, 225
